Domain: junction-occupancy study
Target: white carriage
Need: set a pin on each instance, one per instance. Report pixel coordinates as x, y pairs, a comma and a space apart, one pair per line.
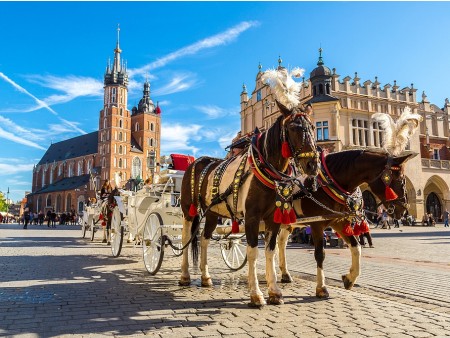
153, 215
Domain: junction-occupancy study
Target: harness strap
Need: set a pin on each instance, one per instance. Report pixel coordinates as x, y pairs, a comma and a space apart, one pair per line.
200, 183
237, 181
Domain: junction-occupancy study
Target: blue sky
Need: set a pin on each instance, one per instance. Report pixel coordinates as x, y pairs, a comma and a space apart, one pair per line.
197, 56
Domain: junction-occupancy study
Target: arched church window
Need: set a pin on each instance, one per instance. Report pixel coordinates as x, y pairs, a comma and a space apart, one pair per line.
136, 128
320, 89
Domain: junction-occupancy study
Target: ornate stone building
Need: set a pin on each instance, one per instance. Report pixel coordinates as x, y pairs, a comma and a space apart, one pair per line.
342, 116
70, 171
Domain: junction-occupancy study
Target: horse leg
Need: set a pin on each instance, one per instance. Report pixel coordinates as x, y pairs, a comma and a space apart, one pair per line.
275, 295
319, 255
251, 233
210, 225
282, 243
355, 249
185, 279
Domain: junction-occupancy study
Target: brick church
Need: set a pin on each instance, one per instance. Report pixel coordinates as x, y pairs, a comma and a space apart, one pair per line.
126, 145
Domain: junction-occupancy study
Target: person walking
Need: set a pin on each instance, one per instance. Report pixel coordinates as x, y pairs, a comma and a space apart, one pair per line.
385, 220
49, 217
53, 218
445, 215
26, 215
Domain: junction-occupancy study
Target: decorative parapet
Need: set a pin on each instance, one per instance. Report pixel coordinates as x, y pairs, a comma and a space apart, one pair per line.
435, 164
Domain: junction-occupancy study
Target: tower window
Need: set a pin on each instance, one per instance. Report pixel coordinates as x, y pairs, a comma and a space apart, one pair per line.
136, 128
121, 112
120, 149
152, 127
320, 89
120, 123
105, 124
328, 89
120, 136
113, 95
258, 95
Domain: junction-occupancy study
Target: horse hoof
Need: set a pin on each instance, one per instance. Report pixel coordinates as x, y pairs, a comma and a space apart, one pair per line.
286, 278
184, 282
322, 292
347, 283
275, 299
257, 301
207, 282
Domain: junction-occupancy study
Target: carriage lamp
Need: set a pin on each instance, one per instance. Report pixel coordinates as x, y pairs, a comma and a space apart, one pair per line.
151, 157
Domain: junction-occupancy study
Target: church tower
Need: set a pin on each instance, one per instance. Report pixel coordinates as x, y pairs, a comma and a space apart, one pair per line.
114, 135
145, 133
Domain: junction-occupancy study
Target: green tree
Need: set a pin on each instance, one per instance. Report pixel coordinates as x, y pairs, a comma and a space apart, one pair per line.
2, 202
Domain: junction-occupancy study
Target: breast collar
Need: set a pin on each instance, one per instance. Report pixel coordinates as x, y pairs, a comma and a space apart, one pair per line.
263, 170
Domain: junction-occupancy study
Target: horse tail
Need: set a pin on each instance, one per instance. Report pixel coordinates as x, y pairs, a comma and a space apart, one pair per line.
194, 242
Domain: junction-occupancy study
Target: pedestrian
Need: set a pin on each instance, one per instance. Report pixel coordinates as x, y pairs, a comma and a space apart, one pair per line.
53, 218
308, 235
26, 216
364, 231
385, 220
445, 215
49, 217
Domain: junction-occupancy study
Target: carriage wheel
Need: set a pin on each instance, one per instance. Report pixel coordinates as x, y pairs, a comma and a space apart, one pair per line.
83, 229
92, 229
177, 252
234, 253
152, 244
116, 232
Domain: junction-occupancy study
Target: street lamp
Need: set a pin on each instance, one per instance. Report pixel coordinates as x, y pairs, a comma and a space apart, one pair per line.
7, 205
151, 157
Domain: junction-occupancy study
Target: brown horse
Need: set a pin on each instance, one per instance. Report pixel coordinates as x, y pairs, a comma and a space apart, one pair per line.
338, 200
245, 187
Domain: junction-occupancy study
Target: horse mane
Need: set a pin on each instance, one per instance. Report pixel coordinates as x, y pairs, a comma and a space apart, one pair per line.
397, 134
346, 159
272, 141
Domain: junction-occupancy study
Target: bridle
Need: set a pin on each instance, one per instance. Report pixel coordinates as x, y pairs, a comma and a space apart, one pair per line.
386, 177
300, 120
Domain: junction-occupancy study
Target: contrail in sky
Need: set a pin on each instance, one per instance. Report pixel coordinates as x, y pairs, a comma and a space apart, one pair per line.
40, 102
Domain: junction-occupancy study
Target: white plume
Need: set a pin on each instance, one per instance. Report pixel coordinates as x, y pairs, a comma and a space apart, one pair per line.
397, 134
286, 90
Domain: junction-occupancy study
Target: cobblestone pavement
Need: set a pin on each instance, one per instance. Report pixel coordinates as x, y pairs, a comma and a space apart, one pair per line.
53, 283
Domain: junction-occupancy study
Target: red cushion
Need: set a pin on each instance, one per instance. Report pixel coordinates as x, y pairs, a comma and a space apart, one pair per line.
181, 162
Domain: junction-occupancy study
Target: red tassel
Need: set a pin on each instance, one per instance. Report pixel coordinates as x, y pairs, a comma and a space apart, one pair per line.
235, 227
285, 218
103, 224
364, 227
292, 216
337, 235
192, 210
277, 216
286, 150
357, 230
390, 194
348, 231
100, 217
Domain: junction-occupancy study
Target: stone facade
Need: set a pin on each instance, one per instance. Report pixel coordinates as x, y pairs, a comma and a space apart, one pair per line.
342, 116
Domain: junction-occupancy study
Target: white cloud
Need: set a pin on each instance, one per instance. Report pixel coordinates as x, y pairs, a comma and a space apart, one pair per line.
10, 169
222, 38
215, 112
72, 86
40, 102
179, 83
17, 139
17, 182
175, 138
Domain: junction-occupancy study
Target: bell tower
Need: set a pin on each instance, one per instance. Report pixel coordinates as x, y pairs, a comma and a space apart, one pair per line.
115, 121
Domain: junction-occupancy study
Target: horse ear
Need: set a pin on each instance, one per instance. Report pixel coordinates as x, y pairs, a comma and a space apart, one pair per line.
283, 109
403, 158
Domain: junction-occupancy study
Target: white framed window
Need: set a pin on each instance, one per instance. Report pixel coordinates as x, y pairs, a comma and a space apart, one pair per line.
322, 131
120, 136
120, 149
360, 131
136, 127
377, 134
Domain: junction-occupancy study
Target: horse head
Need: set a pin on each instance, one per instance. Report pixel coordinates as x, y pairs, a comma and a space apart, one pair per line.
298, 139
390, 185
